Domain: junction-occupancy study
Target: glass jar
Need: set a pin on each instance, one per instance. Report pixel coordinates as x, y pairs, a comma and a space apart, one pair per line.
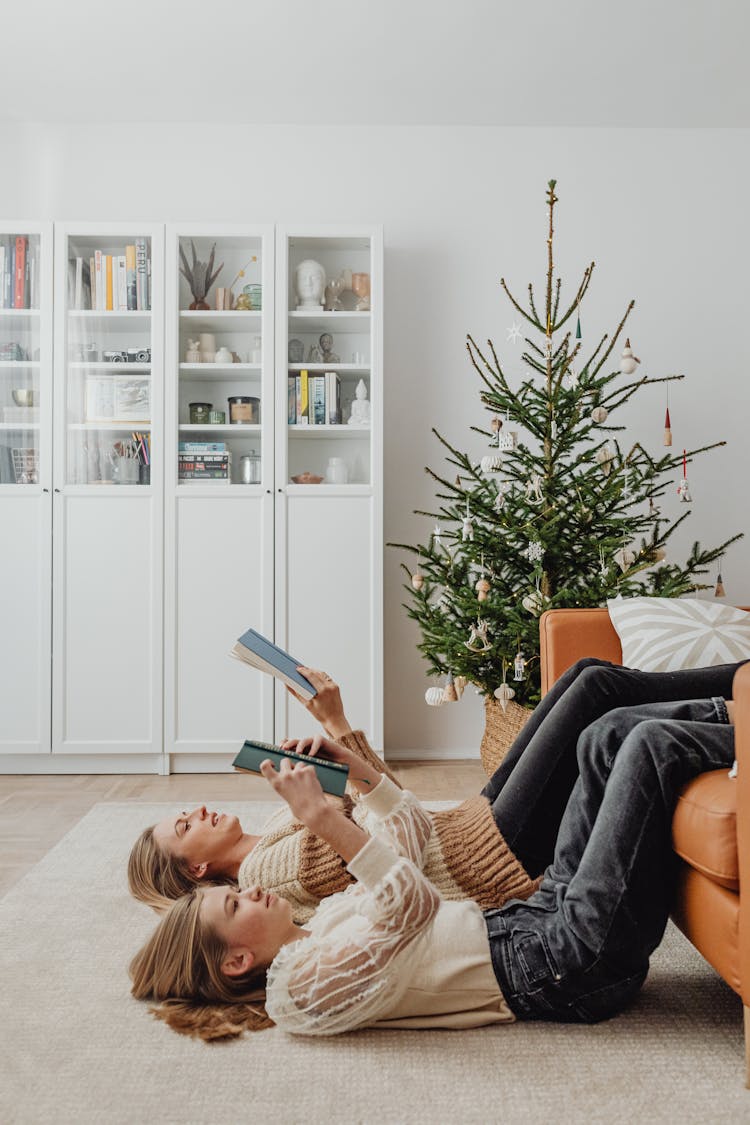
199, 412
244, 410
250, 468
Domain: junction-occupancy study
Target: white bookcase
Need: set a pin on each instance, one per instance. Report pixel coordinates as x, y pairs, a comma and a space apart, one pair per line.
108, 494
219, 534
329, 536
25, 488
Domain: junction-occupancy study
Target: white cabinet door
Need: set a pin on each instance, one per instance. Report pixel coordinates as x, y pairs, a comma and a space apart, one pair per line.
107, 676
327, 602
25, 609
220, 568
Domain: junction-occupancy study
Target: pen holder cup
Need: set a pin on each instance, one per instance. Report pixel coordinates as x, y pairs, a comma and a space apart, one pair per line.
127, 470
144, 474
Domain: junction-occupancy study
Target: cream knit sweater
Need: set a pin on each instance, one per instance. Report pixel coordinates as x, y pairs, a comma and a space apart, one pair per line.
465, 856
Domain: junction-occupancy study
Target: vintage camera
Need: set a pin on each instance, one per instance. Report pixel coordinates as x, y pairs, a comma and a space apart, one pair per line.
139, 355
116, 357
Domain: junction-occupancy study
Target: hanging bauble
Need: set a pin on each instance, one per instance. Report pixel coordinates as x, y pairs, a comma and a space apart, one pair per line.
450, 695
434, 696
417, 580
460, 684
628, 361
604, 459
599, 414
482, 588
719, 592
519, 668
490, 464
624, 558
478, 641
534, 602
660, 555
503, 695
667, 429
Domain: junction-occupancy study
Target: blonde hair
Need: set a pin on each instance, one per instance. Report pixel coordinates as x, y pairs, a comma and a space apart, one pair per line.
154, 875
180, 968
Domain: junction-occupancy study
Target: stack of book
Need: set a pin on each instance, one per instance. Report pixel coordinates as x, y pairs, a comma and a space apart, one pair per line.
19, 272
112, 282
204, 461
314, 400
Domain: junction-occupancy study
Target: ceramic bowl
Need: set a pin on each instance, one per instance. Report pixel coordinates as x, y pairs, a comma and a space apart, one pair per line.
25, 396
307, 478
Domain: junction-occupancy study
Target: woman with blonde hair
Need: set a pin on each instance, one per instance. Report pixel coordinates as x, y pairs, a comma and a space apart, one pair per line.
490, 848
390, 951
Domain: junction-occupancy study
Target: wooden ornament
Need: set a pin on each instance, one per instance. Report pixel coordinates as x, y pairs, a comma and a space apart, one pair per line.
417, 580
460, 684
628, 361
719, 592
667, 429
482, 588
604, 459
450, 695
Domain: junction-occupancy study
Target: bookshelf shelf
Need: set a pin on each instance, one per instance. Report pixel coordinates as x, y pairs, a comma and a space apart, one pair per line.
117, 368
19, 364
341, 368
19, 314
327, 432
120, 427
230, 429
221, 319
109, 315
19, 426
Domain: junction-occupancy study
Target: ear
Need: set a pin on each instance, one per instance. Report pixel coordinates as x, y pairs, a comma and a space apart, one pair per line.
198, 870
237, 963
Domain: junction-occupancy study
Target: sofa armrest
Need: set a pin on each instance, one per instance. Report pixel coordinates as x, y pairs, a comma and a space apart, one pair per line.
568, 635
741, 696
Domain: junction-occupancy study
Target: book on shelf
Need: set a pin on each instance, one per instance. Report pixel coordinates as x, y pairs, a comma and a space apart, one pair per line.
204, 458
108, 262
101, 281
202, 446
130, 278
93, 298
333, 398
323, 397
256, 650
122, 284
317, 407
302, 398
19, 274
291, 406
141, 274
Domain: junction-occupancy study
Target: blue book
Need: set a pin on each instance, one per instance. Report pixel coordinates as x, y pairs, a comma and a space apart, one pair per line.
257, 651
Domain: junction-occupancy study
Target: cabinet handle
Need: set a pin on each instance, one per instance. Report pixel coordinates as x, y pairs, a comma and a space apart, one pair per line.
57, 490
45, 490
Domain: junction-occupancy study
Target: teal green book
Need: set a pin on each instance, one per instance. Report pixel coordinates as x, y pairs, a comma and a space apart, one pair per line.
331, 775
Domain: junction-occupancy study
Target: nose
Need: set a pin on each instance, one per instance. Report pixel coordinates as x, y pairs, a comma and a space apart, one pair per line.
200, 812
253, 893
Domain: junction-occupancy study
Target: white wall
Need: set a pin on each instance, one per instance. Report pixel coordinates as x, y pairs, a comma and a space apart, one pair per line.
663, 213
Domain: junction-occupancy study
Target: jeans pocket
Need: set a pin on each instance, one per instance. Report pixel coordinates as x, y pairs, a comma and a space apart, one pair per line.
606, 1001
534, 957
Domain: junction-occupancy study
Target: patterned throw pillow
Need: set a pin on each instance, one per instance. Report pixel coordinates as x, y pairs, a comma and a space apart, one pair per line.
665, 634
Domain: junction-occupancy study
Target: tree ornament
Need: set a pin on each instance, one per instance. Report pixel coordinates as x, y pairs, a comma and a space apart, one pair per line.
467, 527
719, 592
534, 489
667, 429
417, 580
437, 533
599, 414
578, 321
503, 695
496, 426
482, 588
507, 440
534, 602
535, 550
603, 565
434, 696
628, 361
519, 666
660, 555
503, 488
450, 695
653, 509
460, 684
553, 427
478, 641
683, 491
490, 464
624, 558
513, 333
604, 458
570, 380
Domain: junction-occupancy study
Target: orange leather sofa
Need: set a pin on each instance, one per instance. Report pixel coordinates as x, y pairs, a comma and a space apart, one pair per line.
711, 825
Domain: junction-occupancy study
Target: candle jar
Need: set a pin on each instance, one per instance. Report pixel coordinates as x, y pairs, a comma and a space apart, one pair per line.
243, 410
199, 413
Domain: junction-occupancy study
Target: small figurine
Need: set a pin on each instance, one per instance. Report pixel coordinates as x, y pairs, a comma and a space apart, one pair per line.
326, 348
193, 354
360, 413
295, 351
309, 284
534, 489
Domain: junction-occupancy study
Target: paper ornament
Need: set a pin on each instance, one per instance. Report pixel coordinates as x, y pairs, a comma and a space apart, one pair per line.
624, 558
434, 696
507, 440
482, 588
599, 414
450, 695
604, 459
535, 551
417, 580
460, 685
503, 695
490, 464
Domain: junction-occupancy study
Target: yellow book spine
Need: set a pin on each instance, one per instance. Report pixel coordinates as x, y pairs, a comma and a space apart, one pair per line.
109, 282
303, 400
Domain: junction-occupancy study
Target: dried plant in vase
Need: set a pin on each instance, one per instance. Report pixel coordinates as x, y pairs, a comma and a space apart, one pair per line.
199, 276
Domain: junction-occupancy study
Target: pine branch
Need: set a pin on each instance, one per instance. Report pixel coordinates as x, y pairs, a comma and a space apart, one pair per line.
531, 319
613, 341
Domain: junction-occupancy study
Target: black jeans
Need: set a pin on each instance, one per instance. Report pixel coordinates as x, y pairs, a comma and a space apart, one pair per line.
578, 949
531, 787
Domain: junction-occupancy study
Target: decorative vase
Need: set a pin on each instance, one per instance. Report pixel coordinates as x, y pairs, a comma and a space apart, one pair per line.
501, 727
198, 306
223, 355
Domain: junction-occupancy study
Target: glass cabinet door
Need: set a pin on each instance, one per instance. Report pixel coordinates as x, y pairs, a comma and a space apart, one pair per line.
21, 358
108, 402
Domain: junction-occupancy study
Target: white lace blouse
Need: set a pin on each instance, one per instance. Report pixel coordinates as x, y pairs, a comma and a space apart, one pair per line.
388, 950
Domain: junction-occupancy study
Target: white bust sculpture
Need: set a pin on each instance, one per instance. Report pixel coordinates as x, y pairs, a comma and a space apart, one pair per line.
309, 284
360, 415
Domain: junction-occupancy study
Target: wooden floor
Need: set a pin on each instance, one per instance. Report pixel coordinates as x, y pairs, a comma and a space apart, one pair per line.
36, 812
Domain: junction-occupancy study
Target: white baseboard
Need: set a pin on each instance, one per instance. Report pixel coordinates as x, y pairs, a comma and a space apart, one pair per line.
445, 754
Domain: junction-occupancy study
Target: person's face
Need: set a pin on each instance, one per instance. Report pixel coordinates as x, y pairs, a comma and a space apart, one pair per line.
253, 924
205, 839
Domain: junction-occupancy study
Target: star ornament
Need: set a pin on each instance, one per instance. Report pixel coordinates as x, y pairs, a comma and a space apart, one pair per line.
514, 333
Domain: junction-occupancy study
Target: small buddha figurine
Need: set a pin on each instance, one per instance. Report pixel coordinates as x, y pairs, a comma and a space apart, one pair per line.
326, 349
360, 415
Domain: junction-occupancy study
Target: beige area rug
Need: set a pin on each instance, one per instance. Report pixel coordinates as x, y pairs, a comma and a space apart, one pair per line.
76, 1048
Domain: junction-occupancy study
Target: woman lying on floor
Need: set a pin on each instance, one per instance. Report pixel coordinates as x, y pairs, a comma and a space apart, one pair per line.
390, 951
490, 848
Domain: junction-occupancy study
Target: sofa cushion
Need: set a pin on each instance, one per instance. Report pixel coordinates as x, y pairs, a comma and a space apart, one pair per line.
704, 827
665, 634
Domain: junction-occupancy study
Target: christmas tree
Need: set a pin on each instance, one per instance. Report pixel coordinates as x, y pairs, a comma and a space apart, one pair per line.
557, 513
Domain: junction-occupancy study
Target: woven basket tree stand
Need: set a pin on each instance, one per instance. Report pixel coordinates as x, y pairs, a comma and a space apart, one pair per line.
500, 730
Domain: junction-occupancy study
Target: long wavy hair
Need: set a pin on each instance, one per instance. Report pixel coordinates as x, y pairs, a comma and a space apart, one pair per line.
179, 968
156, 877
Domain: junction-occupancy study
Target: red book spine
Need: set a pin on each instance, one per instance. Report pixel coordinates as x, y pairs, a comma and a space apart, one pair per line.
20, 283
